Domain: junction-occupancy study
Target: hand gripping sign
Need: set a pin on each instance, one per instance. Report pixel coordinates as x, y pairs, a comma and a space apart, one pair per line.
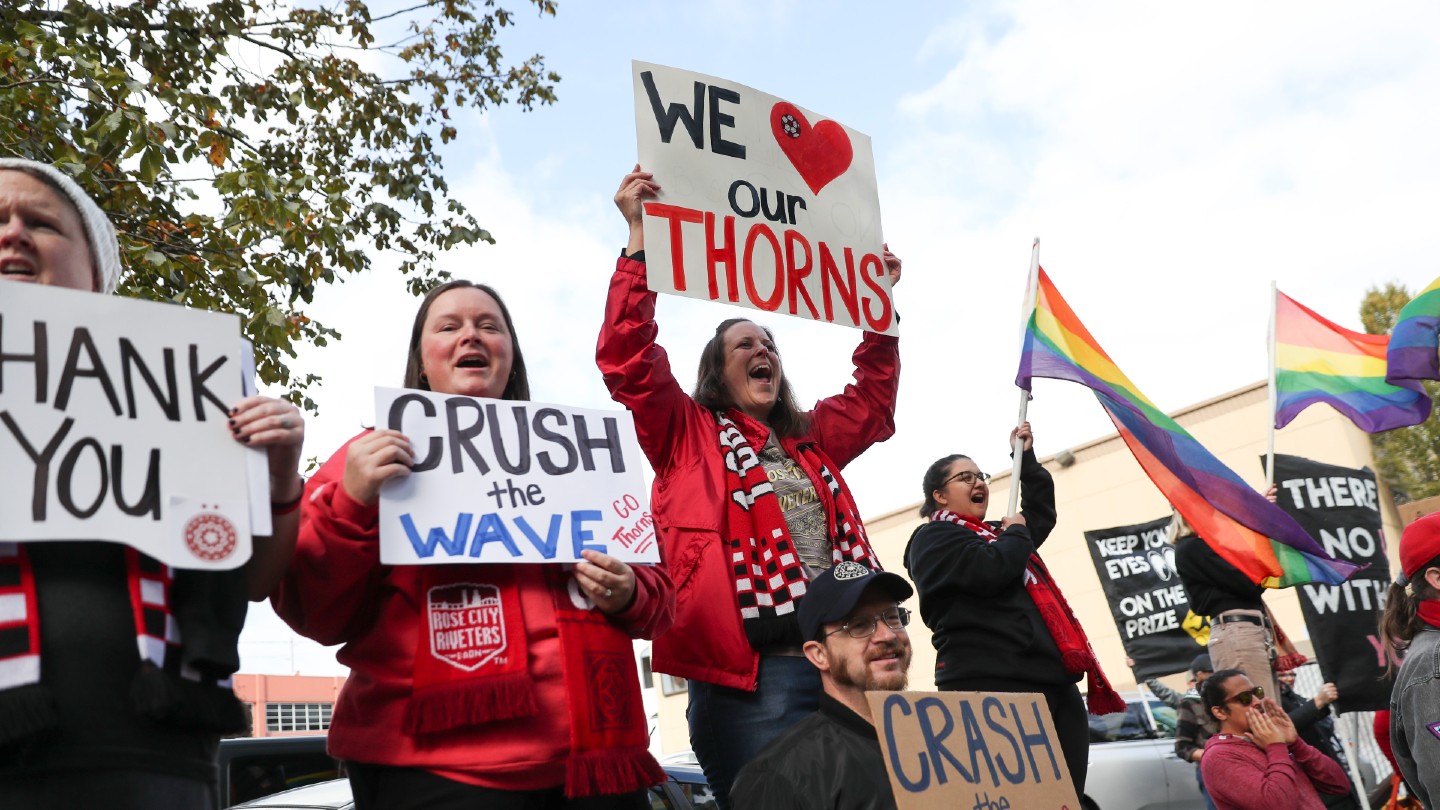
500, 481
113, 426
763, 204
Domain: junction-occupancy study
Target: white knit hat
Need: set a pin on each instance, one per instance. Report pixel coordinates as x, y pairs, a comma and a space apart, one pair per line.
104, 245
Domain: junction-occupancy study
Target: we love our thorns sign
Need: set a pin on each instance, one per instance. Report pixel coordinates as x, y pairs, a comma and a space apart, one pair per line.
113, 426
763, 203
498, 481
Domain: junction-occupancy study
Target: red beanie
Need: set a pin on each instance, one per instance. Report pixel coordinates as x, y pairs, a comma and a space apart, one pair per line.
1420, 544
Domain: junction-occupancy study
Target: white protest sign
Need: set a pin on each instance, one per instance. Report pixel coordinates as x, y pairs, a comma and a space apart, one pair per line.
762, 203
981, 750
113, 426
499, 481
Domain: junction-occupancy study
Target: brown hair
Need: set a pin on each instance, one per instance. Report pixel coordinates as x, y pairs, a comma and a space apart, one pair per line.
785, 418
934, 477
517, 387
1401, 620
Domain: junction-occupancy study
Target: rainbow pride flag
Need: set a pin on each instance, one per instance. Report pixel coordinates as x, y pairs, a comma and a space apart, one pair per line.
1234, 519
1415, 341
1320, 361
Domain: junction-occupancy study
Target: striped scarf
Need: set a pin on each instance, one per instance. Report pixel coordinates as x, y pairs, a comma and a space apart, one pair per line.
169, 687
769, 577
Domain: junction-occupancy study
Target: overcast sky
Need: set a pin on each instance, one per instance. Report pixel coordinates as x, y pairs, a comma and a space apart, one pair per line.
1173, 158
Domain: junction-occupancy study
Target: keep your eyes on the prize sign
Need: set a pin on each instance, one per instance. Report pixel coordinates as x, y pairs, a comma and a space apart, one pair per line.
763, 203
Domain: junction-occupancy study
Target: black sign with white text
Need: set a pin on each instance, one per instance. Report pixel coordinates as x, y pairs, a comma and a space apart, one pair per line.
1339, 507
1136, 567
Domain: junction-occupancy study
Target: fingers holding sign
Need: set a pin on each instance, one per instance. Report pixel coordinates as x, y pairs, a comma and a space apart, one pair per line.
373, 459
892, 265
630, 199
609, 582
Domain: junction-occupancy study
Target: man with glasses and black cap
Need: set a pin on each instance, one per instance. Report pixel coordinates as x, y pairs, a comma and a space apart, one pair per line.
855, 635
1257, 761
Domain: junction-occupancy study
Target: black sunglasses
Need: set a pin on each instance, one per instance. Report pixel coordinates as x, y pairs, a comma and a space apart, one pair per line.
1248, 696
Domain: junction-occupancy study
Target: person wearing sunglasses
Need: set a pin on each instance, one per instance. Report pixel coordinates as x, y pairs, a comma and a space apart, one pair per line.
1257, 761
997, 619
855, 636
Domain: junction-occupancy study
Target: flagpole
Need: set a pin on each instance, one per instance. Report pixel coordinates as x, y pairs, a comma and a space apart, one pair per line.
1274, 396
1032, 288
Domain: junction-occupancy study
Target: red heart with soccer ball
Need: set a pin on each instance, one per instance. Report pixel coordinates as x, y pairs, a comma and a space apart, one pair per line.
820, 153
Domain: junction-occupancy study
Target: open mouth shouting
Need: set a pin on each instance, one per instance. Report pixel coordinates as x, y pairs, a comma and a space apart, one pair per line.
18, 268
763, 372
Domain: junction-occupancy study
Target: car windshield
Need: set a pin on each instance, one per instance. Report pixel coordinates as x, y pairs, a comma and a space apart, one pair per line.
1132, 724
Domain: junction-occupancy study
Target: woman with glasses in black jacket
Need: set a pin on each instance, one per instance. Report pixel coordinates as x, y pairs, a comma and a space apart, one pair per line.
998, 622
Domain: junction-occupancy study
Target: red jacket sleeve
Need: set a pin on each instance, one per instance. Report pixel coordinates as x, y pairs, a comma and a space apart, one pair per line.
335, 575
653, 610
846, 424
637, 370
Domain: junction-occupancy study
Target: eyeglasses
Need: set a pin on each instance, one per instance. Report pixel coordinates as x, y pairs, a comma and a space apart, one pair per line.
1248, 696
965, 477
896, 619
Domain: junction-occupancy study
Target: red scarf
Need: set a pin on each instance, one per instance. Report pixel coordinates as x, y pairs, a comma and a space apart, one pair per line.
1429, 612
1076, 654
471, 667
769, 577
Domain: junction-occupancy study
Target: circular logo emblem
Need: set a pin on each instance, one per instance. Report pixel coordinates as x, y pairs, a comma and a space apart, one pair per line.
210, 536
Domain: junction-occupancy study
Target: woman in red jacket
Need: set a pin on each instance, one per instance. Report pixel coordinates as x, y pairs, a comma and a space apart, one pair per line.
552, 717
748, 502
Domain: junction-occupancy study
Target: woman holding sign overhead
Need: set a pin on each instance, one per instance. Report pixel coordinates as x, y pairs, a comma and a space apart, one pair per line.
480, 685
98, 708
742, 475
998, 619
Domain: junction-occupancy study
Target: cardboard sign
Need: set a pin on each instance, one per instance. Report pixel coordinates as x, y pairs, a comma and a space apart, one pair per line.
762, 203
113, 426
981, 750
1151, 609
499, 481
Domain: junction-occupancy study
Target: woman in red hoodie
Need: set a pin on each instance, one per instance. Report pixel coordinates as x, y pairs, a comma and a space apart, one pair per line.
553, 717
749, 503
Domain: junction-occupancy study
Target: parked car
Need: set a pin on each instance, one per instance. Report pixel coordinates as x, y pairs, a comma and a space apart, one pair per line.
1133, 764
252, 767
296, 772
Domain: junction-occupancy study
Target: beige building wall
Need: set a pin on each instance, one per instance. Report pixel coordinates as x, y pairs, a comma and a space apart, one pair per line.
1105, 487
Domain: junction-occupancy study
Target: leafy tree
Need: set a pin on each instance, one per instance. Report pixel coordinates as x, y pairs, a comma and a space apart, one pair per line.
1407, 458
250, 151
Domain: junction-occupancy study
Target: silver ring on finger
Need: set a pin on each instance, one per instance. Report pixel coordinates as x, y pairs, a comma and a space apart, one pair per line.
609, 592
284, 423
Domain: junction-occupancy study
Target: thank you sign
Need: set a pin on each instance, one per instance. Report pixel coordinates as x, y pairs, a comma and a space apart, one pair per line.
763, 203
980, 750
113, 426
499, 481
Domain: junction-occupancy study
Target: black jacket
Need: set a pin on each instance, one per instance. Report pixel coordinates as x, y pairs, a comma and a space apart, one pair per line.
983, 623
831, 760
1213, 585
1315, 726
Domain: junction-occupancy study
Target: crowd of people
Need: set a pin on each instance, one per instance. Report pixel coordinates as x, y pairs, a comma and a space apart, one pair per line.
770, 599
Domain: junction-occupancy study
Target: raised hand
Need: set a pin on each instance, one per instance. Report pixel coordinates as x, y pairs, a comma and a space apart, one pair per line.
1328, 694
630, 199
1264, 731
1023, 432
892, 265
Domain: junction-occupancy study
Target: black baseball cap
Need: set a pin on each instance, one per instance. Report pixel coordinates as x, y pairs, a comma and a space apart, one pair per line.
834, 594
1201, 664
